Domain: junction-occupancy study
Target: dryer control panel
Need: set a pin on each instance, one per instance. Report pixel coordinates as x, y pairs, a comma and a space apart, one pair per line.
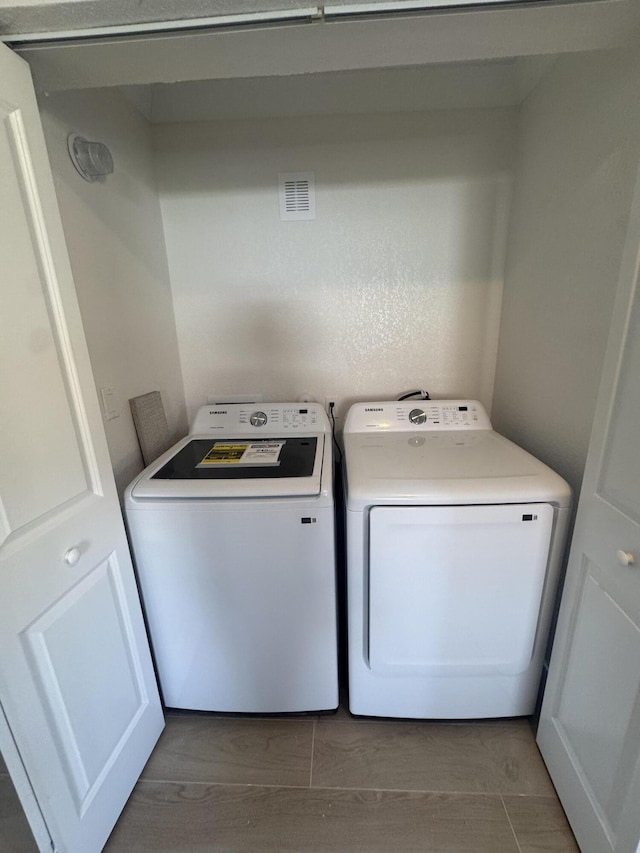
261, 419
417, 416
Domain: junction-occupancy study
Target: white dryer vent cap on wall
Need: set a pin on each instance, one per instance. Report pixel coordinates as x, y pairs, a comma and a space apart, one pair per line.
297, 192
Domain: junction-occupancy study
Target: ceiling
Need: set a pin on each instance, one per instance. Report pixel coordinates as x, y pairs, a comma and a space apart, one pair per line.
468, 85
409, 43
416, 55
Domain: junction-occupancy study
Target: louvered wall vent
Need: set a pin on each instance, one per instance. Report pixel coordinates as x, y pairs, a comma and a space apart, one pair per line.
297, 195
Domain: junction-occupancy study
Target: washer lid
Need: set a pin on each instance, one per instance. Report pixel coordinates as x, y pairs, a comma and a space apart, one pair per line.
204, 467
456, 467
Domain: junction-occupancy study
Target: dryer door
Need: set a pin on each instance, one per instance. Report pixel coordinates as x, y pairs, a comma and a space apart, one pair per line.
456, 590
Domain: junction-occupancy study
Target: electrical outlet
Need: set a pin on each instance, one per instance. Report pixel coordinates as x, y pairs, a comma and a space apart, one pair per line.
327, 406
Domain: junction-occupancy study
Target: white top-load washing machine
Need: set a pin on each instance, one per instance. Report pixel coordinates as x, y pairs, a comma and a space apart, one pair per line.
454, 544
232, 531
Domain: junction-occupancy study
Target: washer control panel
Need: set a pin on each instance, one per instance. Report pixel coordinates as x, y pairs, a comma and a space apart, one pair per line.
417, 415
235, 419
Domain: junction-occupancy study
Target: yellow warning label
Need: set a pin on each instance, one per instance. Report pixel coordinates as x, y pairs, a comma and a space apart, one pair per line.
224, 454
250, 453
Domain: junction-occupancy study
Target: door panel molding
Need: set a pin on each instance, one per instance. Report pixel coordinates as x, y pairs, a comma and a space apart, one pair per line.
35, 217
77, 684
589, 732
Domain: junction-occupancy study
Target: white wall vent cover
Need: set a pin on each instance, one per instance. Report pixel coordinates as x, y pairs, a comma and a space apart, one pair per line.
297, 192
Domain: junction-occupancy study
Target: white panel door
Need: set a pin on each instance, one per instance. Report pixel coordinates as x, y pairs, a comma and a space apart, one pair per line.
76, 680
589, 730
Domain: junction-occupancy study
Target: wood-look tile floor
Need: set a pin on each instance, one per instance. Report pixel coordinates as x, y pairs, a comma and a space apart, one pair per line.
15, 834
343, 785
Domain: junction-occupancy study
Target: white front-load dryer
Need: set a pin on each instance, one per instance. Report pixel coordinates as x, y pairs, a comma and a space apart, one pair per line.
454, 544
232, 531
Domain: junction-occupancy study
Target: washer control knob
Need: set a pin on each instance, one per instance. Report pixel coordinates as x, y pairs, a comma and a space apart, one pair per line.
417, 416
258, 419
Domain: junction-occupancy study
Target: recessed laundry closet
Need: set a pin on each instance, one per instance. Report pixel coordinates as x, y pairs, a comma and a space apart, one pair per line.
471, 212
445, 240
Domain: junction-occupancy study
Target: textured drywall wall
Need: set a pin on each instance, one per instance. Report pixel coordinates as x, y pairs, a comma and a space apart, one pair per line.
396, 284
579, 142
116, 245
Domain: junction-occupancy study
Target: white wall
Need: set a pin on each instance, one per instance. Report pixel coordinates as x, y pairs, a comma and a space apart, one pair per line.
578, 155
116, 245
396, 284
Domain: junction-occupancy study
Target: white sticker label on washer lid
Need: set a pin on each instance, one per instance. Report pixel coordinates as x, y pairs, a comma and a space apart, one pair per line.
260, 453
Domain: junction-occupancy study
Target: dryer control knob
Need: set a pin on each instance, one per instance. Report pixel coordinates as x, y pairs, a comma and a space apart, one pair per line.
417, 416
258, 419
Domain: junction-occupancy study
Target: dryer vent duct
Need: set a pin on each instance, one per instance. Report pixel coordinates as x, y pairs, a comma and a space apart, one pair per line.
297, 195
92, 160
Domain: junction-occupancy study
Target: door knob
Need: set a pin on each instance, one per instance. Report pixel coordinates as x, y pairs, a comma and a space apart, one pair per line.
72, 556
625, 558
